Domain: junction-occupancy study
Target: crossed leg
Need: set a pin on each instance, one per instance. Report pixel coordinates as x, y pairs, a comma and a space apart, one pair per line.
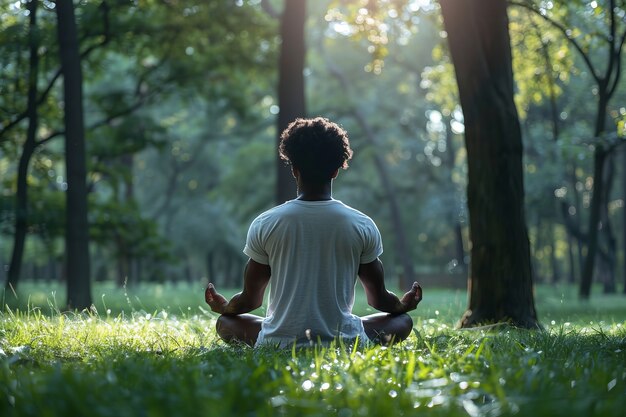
387, 329
381, 328
243, 328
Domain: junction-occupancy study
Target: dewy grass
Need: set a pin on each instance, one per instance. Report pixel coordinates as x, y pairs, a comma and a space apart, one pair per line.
171, 364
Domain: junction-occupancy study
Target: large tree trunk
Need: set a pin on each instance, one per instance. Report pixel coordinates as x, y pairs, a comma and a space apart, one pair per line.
290, 85
500, 282
76, 236
21, 197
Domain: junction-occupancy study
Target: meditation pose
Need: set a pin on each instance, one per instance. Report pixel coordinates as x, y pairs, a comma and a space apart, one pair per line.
311, 251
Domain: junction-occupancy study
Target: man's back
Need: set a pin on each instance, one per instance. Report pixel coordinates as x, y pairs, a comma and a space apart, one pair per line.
310, 251
314, 249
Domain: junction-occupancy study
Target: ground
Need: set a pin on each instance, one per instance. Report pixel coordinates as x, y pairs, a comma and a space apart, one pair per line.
134, 356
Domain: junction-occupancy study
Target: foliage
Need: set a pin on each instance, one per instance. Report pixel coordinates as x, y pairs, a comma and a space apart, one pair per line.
136, 56
166, 363
180, 115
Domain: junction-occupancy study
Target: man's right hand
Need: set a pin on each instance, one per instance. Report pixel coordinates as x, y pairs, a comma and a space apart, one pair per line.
412, 298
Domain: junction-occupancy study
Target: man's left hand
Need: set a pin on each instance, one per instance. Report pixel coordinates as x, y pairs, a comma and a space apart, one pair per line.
215, 300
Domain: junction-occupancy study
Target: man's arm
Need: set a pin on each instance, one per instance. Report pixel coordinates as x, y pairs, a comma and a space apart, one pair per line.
255, 280
372, 276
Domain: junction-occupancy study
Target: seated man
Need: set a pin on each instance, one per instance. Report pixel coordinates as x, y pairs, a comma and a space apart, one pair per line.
312, 249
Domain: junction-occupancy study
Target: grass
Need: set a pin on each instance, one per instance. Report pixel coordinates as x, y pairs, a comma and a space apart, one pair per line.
139, 354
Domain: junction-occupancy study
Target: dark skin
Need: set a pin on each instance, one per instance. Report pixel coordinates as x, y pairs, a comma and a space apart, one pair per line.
391, 326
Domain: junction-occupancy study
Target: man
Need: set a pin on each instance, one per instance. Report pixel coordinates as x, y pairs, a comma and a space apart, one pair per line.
312, 249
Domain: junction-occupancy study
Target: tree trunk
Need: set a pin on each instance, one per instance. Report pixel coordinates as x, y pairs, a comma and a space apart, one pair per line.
290, 85
624, 215
570, 258
210, 268
581, 240
76, 236
606, 85
403, 252
599, 158
554, 263
402, 247
125, 259
21, 196
123, 263
459, 247
534, 261
607, 229
500, 282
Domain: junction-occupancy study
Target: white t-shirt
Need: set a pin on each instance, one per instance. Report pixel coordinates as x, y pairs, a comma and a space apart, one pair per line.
314, 249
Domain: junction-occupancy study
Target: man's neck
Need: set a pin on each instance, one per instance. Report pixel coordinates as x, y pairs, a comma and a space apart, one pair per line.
317, 192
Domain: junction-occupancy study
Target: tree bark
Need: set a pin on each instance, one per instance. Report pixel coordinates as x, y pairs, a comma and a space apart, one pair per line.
76, 236
500, 282
21, 196
291, 99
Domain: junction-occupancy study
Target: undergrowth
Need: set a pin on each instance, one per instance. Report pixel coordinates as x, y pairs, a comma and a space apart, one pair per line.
167, 364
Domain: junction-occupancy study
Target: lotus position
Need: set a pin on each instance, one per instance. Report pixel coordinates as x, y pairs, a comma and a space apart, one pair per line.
311, 251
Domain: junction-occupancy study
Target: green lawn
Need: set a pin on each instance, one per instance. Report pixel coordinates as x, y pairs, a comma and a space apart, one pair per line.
152, 351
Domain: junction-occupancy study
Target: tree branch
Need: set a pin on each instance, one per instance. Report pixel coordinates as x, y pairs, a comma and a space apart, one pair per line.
612, 31
48, 138
44, 94
618, 57
546, 56
564, 31
269, 9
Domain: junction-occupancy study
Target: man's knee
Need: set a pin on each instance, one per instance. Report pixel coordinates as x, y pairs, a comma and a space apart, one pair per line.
405, 324
222, 325
242, 328
388, 328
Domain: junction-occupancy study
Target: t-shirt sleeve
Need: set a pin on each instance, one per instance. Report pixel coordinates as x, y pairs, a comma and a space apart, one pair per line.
373, 243
254, 244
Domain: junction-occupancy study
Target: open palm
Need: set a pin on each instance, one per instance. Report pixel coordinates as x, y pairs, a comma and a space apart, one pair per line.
215, 300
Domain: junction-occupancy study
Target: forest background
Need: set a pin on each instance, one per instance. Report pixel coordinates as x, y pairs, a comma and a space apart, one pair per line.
180, 119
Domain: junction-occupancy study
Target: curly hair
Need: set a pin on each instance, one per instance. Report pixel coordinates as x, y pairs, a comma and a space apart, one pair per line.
316, 147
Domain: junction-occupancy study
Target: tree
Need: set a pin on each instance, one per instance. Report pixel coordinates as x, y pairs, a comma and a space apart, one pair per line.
76, 236
369, 134
384, 109
606, 82
291, 99
38, 33
500, 282
21, 204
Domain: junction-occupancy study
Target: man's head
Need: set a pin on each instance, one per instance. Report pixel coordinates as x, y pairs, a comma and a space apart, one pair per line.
317, 148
